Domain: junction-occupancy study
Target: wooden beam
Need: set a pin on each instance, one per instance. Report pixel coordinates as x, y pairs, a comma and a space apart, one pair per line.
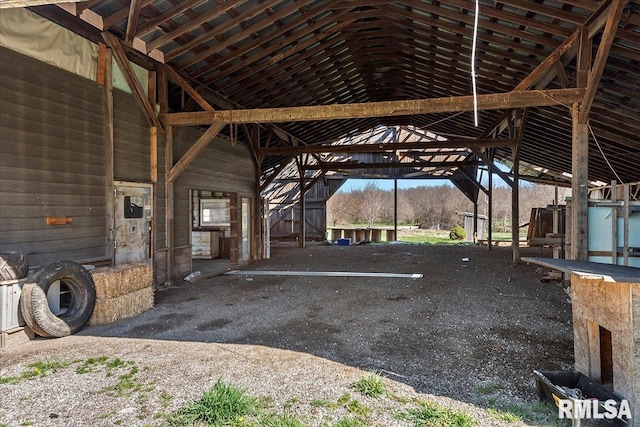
474, 180
579, 188
385, 165
303, 226
8, 4
108, 155
132, 20
601, 58
193, 152
395, 146
497, 101
138, 92
175, 77
493, 168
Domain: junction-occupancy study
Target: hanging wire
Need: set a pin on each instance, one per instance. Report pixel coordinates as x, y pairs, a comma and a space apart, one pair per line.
473, 64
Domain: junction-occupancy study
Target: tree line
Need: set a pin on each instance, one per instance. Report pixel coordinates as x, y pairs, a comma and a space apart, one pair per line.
434, 206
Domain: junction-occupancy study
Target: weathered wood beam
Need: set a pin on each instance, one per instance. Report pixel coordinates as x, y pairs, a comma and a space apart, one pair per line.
175, 77
8, 4
608, 36
193, 152
132, 20
386, 165
108, 154
498, 101
474, 180
493, 168
168, 14
138, 92
194, 23
375, 148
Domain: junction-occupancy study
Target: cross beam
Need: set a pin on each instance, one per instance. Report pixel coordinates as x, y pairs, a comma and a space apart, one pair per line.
394, 146
498, 101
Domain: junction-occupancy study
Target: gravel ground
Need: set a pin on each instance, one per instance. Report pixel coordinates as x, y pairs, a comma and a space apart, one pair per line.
467, 336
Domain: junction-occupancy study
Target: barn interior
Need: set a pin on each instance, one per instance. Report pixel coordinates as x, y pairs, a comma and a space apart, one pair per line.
245, 116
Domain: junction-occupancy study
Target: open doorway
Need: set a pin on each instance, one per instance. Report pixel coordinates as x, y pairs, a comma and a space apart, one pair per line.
210, 231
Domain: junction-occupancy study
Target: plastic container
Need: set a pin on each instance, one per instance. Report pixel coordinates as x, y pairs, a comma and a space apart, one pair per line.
550, 383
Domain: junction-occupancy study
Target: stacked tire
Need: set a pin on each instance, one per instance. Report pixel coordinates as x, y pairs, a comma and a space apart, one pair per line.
35, 307
13, 266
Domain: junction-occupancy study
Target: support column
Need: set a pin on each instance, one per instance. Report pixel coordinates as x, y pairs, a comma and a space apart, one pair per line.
168, 189
490, 212
303, 226
395, 208
579, 188
108, 153
475, 222
515, 212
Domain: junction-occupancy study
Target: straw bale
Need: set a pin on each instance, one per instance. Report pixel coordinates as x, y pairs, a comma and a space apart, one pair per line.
112, 282
110, 310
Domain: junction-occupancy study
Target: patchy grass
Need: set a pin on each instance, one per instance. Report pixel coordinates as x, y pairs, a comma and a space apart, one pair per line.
429, 414
501, 415
370, 386
285, 420
351, 422
36, 369
220, 406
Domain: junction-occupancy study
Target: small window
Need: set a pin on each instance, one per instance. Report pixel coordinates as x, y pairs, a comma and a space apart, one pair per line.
215, 213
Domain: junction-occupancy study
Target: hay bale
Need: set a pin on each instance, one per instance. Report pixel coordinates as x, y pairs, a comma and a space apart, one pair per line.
112, 282
110, 310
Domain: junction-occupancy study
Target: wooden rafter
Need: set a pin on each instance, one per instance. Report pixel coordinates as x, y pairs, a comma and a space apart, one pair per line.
132, 20
613, 19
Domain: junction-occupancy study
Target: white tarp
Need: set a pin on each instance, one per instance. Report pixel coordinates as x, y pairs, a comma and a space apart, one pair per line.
25, 32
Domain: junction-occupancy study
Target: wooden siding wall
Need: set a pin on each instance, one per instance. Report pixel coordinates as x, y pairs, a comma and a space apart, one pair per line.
220, 167
282, 214
131, 160
51, 161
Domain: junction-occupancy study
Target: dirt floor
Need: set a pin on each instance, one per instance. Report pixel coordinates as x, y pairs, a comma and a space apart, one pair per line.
469, 332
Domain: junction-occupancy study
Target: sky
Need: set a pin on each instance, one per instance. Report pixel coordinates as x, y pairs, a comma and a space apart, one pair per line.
387, 184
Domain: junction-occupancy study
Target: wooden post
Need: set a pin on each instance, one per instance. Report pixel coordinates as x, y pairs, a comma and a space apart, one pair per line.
395, 208
515, 211
579, 189
614, 223
490, 211
303, 228
580, 159
475, 222
234, 245
625, 248
108, 156
168, 188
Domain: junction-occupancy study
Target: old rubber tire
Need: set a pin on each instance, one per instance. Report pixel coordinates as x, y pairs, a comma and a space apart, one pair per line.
13, 265
83, 298
25, 309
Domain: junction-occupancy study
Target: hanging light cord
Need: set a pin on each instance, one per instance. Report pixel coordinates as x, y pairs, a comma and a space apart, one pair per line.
473, 65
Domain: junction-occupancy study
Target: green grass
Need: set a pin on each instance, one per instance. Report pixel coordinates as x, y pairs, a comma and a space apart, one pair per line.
222, 405
351, 422
36, 369
370, 386
431, 240
429, 414
285, 420
501, 415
